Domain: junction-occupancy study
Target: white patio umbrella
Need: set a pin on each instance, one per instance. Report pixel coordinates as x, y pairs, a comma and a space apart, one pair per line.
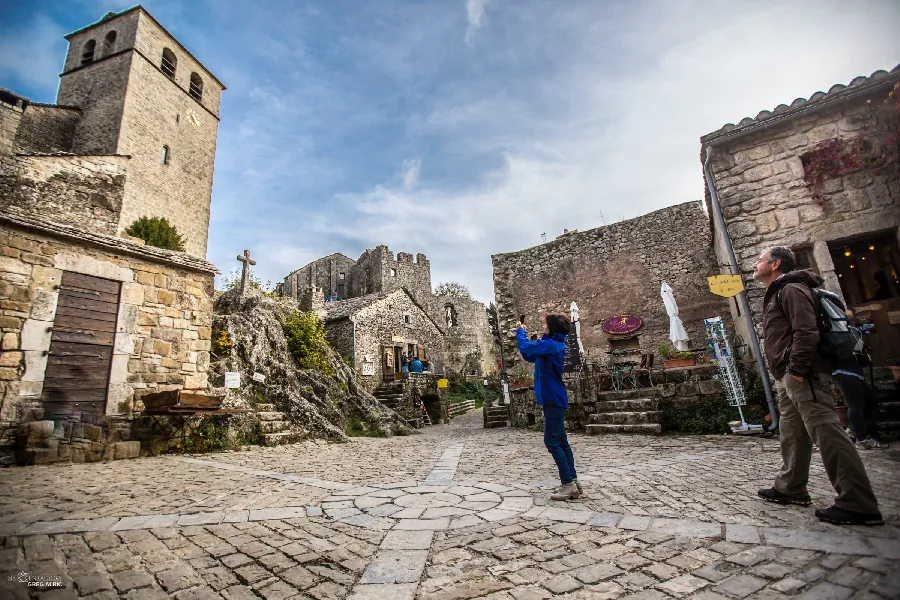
677, 333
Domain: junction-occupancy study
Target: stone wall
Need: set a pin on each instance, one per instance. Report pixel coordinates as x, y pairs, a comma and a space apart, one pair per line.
82, 191
469, 345
376, 270
421, 388
163, 326
611, 270
340, 335
324, 274
766, 202
47, 128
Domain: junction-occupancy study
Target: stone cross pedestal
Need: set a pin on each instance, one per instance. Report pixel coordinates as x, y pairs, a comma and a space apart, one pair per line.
245, 274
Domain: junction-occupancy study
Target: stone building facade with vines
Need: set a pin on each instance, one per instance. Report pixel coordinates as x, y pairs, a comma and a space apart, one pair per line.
820, 176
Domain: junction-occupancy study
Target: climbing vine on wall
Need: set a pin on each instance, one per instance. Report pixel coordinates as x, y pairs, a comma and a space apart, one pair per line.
878, 151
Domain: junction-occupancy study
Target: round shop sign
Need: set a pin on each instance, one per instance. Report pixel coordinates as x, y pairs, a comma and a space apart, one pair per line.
621, 324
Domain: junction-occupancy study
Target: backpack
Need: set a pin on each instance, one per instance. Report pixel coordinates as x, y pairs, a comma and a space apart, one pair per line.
838, 340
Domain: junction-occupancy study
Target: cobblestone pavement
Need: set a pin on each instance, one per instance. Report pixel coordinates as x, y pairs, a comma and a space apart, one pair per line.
455, 513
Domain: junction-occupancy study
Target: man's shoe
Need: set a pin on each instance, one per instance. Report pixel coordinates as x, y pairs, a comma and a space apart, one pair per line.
840, 516
773, 495
568, 491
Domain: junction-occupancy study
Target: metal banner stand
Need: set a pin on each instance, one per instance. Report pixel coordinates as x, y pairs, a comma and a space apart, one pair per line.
720, 351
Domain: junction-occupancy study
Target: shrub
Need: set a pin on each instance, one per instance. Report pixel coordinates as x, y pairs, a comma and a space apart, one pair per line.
304, 333
222, 346
158, 232
708, 415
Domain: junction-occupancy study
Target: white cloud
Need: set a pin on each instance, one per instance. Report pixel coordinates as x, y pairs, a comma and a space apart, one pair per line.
33, 55
474, 16
410, 173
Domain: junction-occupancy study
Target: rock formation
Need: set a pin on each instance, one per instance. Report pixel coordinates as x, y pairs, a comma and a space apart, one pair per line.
319, 405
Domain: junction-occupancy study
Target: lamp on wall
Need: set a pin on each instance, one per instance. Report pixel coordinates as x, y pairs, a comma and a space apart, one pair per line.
871, 246
846, 251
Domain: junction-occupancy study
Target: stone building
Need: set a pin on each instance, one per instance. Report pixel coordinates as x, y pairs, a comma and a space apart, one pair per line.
613, 270
91, 321
844, 227
468, 343
373, 331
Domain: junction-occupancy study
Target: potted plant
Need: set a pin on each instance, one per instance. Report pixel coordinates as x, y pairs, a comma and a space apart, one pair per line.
521, 380
894, 365
673, 359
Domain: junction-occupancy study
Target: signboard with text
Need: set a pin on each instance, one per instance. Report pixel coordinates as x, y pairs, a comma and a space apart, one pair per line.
727, 286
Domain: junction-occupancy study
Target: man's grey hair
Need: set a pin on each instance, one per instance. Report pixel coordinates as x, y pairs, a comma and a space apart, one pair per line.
786, 256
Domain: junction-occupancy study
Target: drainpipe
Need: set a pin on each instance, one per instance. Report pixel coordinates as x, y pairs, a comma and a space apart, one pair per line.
742, 297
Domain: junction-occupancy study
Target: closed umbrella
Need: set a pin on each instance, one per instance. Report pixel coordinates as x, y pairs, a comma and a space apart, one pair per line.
677, 333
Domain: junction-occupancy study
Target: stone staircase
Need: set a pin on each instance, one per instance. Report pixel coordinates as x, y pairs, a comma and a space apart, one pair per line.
888, 416
274, 427
628, 411
496, 416
390, 394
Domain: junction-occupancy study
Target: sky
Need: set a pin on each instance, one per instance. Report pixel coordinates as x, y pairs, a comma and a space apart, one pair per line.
466, 128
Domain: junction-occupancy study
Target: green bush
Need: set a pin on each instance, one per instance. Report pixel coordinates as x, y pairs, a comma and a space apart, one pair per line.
304, 333
158, 232
707, 415
458, 385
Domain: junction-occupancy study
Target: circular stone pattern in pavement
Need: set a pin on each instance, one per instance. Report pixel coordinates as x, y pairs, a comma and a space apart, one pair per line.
427, 507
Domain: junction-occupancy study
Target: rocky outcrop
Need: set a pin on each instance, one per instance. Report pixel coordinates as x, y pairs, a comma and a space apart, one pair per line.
317, 405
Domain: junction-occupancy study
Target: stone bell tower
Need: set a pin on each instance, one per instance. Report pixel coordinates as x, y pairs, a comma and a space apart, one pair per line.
144, 95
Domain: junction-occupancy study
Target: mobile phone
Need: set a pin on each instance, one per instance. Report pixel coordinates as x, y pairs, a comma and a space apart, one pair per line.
522, 319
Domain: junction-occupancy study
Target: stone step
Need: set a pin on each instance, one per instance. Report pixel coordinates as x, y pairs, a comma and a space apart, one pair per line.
888, 411
273, 426
499, 410
636, 405
266, 407
640, 393
270, 416
281, 438
626, 418
389, 396
647, 429
496, 424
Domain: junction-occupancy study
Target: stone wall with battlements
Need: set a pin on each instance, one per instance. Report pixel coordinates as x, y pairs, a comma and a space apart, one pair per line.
324, 274
162, 338
612, 270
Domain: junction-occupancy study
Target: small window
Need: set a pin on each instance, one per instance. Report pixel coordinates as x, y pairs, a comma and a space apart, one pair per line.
393, 272
169, 63
450, 315
407, 319
196, 87
165, 155
109, 43
341, 276
87, 54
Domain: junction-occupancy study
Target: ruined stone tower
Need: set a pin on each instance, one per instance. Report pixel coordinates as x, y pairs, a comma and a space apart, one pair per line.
143, 95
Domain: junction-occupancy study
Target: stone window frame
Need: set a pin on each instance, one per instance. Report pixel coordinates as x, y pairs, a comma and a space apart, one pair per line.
407, 318
342, 276
195, 86
393, 272
109, 42
169, 63
809, 261
88, 51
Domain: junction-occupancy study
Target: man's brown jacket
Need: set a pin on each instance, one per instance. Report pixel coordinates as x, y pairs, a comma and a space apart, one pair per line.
789, 326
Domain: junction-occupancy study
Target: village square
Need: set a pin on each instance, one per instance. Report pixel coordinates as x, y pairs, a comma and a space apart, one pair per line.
361, 431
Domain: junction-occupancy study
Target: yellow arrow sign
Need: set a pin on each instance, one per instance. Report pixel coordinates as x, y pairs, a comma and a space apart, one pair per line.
726, 285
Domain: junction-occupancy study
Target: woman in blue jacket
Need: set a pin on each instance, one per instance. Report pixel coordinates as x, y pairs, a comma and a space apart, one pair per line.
547, 355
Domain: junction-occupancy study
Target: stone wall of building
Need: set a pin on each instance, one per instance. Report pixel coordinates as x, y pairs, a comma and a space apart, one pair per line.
377, 270
47, 128
470, 348
163, 325
612, 270
81, 191
340, 335
766, 202
324, 274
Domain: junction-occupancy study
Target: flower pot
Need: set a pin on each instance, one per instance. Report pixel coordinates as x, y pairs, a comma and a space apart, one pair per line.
677, 363
842, 415
895, 371
521, 384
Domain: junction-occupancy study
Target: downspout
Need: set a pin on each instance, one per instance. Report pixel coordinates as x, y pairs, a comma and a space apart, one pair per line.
742, 297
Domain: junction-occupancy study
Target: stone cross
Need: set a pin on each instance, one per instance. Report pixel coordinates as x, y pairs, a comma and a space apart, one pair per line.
245, 274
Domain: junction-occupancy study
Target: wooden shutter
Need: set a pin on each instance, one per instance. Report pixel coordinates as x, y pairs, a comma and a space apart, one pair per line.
77, 376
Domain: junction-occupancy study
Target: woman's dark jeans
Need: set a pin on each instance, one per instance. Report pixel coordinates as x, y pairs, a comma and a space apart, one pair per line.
557, 443
861, 402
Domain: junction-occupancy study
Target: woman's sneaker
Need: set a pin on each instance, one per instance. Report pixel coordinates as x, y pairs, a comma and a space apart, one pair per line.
578, 485
569, 491
773, 495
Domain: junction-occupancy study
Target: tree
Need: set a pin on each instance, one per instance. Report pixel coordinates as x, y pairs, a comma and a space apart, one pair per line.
453, 290
158, 232
493, 321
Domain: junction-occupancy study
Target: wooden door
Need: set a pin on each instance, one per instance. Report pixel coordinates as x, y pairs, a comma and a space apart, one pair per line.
387, 363
78, 365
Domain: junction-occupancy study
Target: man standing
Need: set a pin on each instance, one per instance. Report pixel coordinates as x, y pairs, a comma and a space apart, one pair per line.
547, 355
802, 378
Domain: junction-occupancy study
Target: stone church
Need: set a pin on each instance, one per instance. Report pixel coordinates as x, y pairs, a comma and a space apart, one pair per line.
465, 336
92, 319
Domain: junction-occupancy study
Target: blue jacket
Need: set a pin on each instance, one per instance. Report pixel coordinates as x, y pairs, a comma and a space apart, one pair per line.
547, 355
416, 366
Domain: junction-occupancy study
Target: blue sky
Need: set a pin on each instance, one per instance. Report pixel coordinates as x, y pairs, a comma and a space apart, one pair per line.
463, 128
